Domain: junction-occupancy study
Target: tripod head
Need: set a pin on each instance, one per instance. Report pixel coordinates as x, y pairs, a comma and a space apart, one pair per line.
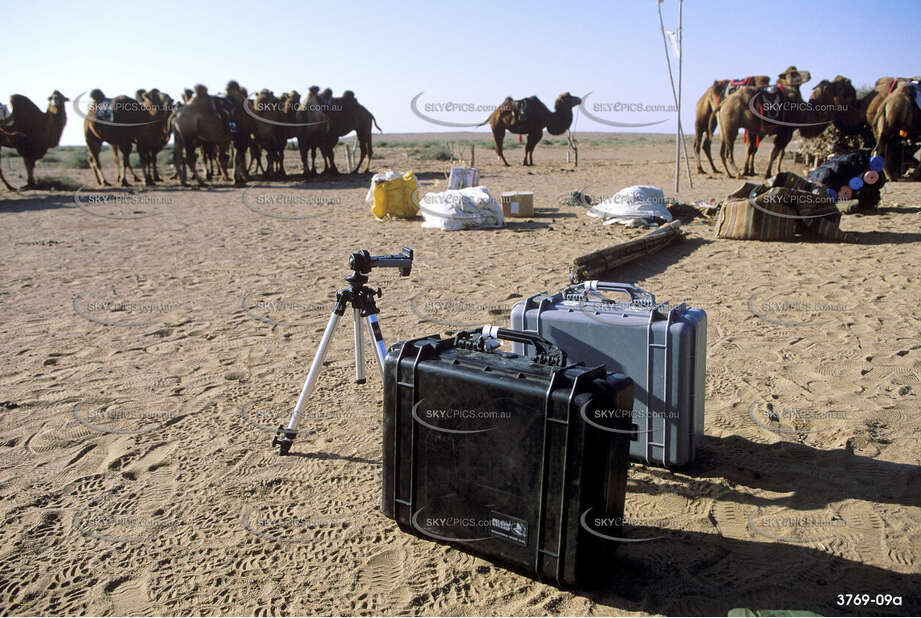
362, 262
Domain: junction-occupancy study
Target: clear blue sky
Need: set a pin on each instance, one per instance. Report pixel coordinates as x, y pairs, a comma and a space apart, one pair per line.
469, 52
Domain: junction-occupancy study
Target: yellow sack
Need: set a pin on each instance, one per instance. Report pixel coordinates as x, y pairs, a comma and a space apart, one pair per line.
395, 198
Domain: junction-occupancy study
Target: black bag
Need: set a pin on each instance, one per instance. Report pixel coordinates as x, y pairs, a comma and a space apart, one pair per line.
838, 170
522, 461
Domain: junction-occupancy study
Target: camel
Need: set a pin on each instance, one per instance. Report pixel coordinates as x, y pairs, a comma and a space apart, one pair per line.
289, 101
898, 117
312, 130
268, 133
705, 119
529, 117
153, 137
119, 129
203, 120
33, 132
737, 112
859, 118
344, 115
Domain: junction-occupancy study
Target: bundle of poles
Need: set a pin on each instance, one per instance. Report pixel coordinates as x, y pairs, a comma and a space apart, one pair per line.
596, 264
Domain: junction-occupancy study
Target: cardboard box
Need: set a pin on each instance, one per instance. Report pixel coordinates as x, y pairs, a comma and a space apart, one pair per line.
463, 177
518, 204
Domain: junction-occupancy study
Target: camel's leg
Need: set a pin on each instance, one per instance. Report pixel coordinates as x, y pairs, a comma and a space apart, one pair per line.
193, 164
239, 167
93, 148
225, 156
364, 146
222, 162
252, 158
8, 186
313, 160
146, 166
750, 153
727, 151
533, 139
329, 157
700, 138
205, 160
498, 134
121, 162
128, 163
370, 150
178, 163
303, 150
708, 139
30, 171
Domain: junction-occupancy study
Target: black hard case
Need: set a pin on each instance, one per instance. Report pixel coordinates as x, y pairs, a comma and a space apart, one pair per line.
520, 476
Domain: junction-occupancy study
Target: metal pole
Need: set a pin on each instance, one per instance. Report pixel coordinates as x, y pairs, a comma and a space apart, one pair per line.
671, 82
680, 133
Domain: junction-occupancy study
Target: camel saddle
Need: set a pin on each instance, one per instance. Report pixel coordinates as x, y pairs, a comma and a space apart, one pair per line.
734, 84
226, 111
770, 100
104, 110
520, 110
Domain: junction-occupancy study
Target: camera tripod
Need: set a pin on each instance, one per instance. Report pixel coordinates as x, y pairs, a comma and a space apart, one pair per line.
361, 299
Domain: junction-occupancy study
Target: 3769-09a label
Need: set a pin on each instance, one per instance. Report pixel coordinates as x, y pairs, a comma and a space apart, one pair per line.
880, 600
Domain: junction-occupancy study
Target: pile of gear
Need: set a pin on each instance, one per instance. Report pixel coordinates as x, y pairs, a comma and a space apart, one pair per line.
832, 141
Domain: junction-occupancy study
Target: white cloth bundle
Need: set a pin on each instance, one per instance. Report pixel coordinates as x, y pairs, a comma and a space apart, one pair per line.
458, 209
633, 206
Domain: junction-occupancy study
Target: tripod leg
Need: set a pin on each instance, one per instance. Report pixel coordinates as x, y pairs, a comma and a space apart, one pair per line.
284, 443
380, 350
359, 348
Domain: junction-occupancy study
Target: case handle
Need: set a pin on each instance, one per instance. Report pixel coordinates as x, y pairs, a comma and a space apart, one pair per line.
637, 295
546, 352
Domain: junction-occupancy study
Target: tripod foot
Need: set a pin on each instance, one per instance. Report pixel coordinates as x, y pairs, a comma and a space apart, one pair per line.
283, 440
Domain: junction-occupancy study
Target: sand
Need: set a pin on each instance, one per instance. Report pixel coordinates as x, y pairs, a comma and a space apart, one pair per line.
152, 345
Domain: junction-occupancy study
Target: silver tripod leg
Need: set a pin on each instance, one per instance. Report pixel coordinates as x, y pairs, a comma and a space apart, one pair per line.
359, 348
314, 370
380, 351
